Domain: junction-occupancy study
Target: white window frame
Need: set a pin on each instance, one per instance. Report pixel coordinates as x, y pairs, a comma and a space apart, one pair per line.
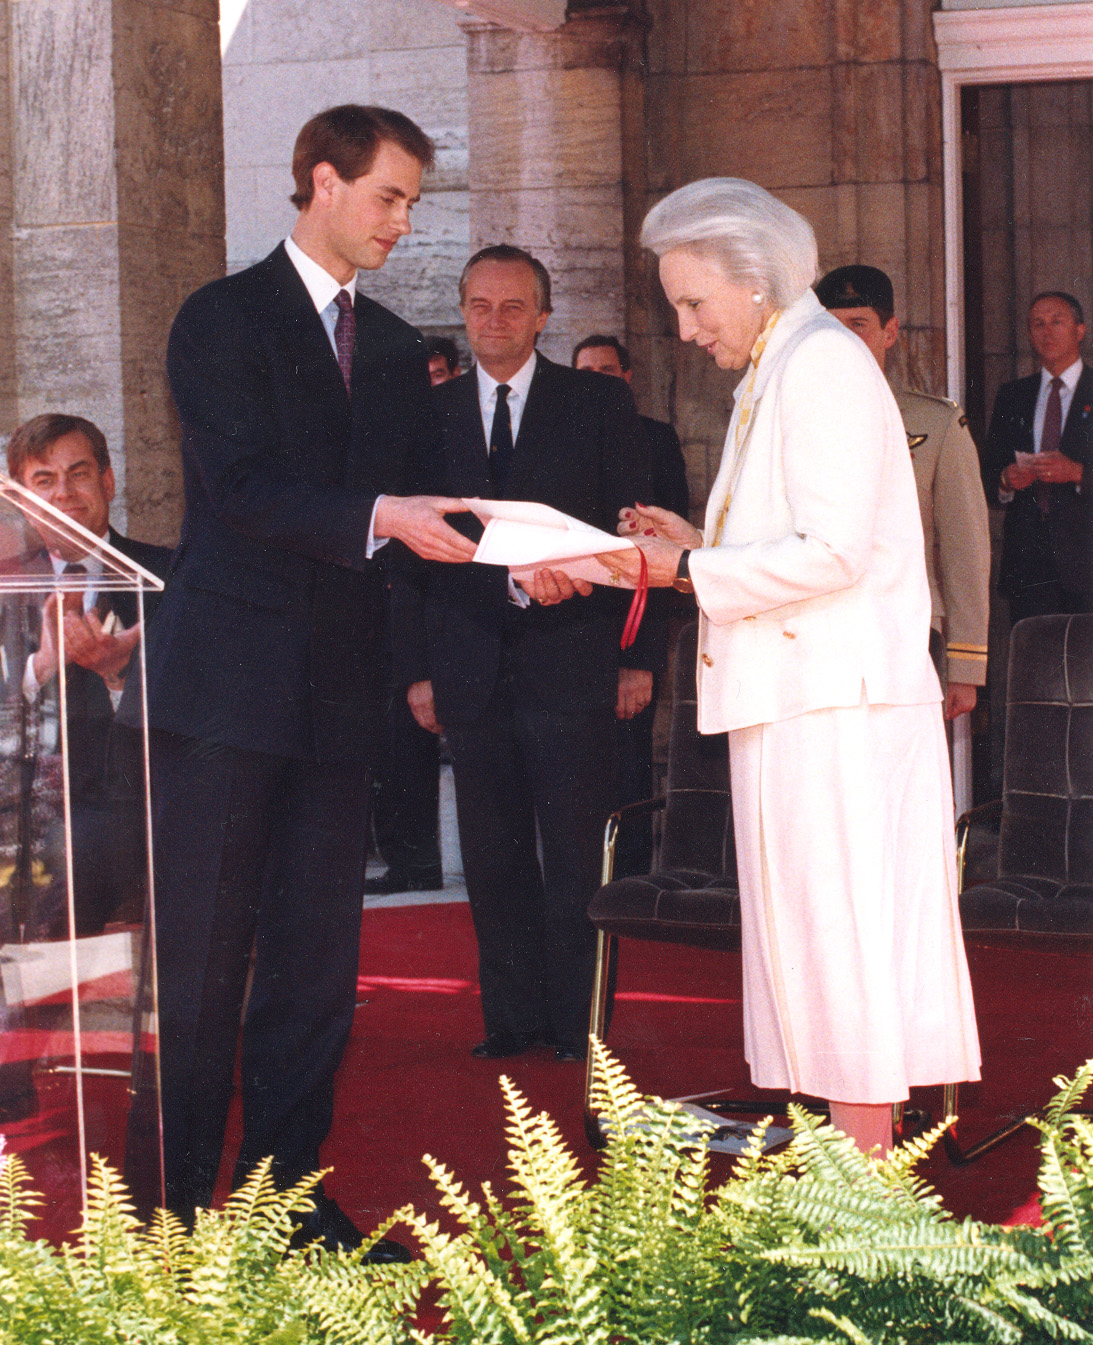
994, 46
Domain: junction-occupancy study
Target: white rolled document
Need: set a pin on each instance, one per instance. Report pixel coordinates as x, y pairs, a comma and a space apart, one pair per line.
528, 537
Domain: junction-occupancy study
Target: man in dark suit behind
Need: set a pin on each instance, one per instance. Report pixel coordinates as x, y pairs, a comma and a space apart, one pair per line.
1037, 463
64, 459
305, 422
669, 490
527, 694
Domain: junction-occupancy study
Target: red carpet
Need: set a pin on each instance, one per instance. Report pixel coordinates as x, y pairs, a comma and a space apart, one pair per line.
408, 1085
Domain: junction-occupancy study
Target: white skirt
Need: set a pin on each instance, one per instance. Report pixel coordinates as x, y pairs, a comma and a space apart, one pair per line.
855, 980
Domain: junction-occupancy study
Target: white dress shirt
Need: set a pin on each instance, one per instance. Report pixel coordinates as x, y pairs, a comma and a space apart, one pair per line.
518, 385
92, 563
518, 396
324, 289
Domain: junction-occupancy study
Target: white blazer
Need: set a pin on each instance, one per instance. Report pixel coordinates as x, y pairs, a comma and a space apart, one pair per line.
816, 592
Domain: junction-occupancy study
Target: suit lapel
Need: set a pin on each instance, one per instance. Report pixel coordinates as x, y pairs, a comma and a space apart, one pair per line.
1079, 416
307, 349
535, 432
470, 470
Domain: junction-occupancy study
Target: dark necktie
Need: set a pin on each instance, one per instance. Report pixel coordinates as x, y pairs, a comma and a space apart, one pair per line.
1050, 437
345, 330
501, 438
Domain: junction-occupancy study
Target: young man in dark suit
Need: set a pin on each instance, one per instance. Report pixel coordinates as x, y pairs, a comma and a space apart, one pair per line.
305, 427
1037, 463
527, 694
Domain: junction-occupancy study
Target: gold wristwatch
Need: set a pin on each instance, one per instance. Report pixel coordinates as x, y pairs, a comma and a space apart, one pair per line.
682, 581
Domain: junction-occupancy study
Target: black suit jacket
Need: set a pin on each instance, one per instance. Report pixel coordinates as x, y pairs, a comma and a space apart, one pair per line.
269, 635
669, 470
581, 449
1067, 557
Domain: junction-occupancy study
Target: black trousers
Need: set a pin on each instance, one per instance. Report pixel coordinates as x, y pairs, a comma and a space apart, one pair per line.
264, 852
406, 816
521, 771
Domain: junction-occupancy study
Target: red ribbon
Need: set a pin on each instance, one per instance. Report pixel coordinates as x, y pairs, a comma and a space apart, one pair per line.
637, 605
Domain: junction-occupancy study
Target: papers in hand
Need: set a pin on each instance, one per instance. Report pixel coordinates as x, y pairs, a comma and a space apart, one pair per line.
528, 537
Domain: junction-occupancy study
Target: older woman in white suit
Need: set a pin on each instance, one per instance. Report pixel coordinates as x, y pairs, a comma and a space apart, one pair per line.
813, 655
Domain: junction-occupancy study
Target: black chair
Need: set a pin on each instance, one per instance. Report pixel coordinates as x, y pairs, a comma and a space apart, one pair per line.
691, 898
1038, 888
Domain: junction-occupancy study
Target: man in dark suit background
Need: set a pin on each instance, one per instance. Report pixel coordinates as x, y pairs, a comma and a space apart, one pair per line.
1037, 460
669, 490
608, 355
406, 808
64, 459
305, 424
527, 694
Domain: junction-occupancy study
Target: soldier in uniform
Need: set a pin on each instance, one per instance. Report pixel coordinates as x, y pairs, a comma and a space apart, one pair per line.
950, 492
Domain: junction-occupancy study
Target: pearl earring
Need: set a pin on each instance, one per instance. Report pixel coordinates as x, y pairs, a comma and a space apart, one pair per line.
757, 298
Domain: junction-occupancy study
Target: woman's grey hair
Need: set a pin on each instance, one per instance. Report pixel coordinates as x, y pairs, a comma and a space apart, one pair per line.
755, 238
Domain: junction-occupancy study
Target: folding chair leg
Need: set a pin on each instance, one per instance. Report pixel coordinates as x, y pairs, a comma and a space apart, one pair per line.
962, 1157
596, 1028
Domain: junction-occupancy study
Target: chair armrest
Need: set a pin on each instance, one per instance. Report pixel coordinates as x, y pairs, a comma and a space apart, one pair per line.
964, 825
611, 831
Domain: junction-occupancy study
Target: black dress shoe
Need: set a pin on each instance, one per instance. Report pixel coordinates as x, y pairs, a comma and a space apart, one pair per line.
500, 1044
425, 880
329, 1224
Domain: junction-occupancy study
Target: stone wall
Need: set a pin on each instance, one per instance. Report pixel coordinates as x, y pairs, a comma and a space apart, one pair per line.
285, 62
113, 142
550, 115
834, 106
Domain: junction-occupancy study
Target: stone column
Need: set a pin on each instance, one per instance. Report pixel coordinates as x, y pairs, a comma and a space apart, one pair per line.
553, 119
835, 107
116, 214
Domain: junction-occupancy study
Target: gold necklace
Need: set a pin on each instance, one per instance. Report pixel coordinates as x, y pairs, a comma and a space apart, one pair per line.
747, 402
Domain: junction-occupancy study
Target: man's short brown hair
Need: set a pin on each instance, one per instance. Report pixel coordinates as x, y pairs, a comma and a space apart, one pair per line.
348, 138
33, 440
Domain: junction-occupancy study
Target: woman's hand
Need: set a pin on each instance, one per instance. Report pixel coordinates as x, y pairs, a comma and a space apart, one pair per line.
661, 557
650, 521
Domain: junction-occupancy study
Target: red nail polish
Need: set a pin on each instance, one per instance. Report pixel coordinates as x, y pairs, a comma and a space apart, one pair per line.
639, 504
650, 532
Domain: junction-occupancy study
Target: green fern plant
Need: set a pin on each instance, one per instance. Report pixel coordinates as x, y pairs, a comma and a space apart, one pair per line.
233, 1279
816, 1243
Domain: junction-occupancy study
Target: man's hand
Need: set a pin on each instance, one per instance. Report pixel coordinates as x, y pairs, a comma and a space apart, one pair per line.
552, 586
960, 698
648, 521
45, 661
1056, 468
419, 697
635, 692
661, 557
89, 645
418, 520
1017, 476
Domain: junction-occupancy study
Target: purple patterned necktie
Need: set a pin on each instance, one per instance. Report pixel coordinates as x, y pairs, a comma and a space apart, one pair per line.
345, 330
1050, 437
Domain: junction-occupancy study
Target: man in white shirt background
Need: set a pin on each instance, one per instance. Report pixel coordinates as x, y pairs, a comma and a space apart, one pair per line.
1036, 465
